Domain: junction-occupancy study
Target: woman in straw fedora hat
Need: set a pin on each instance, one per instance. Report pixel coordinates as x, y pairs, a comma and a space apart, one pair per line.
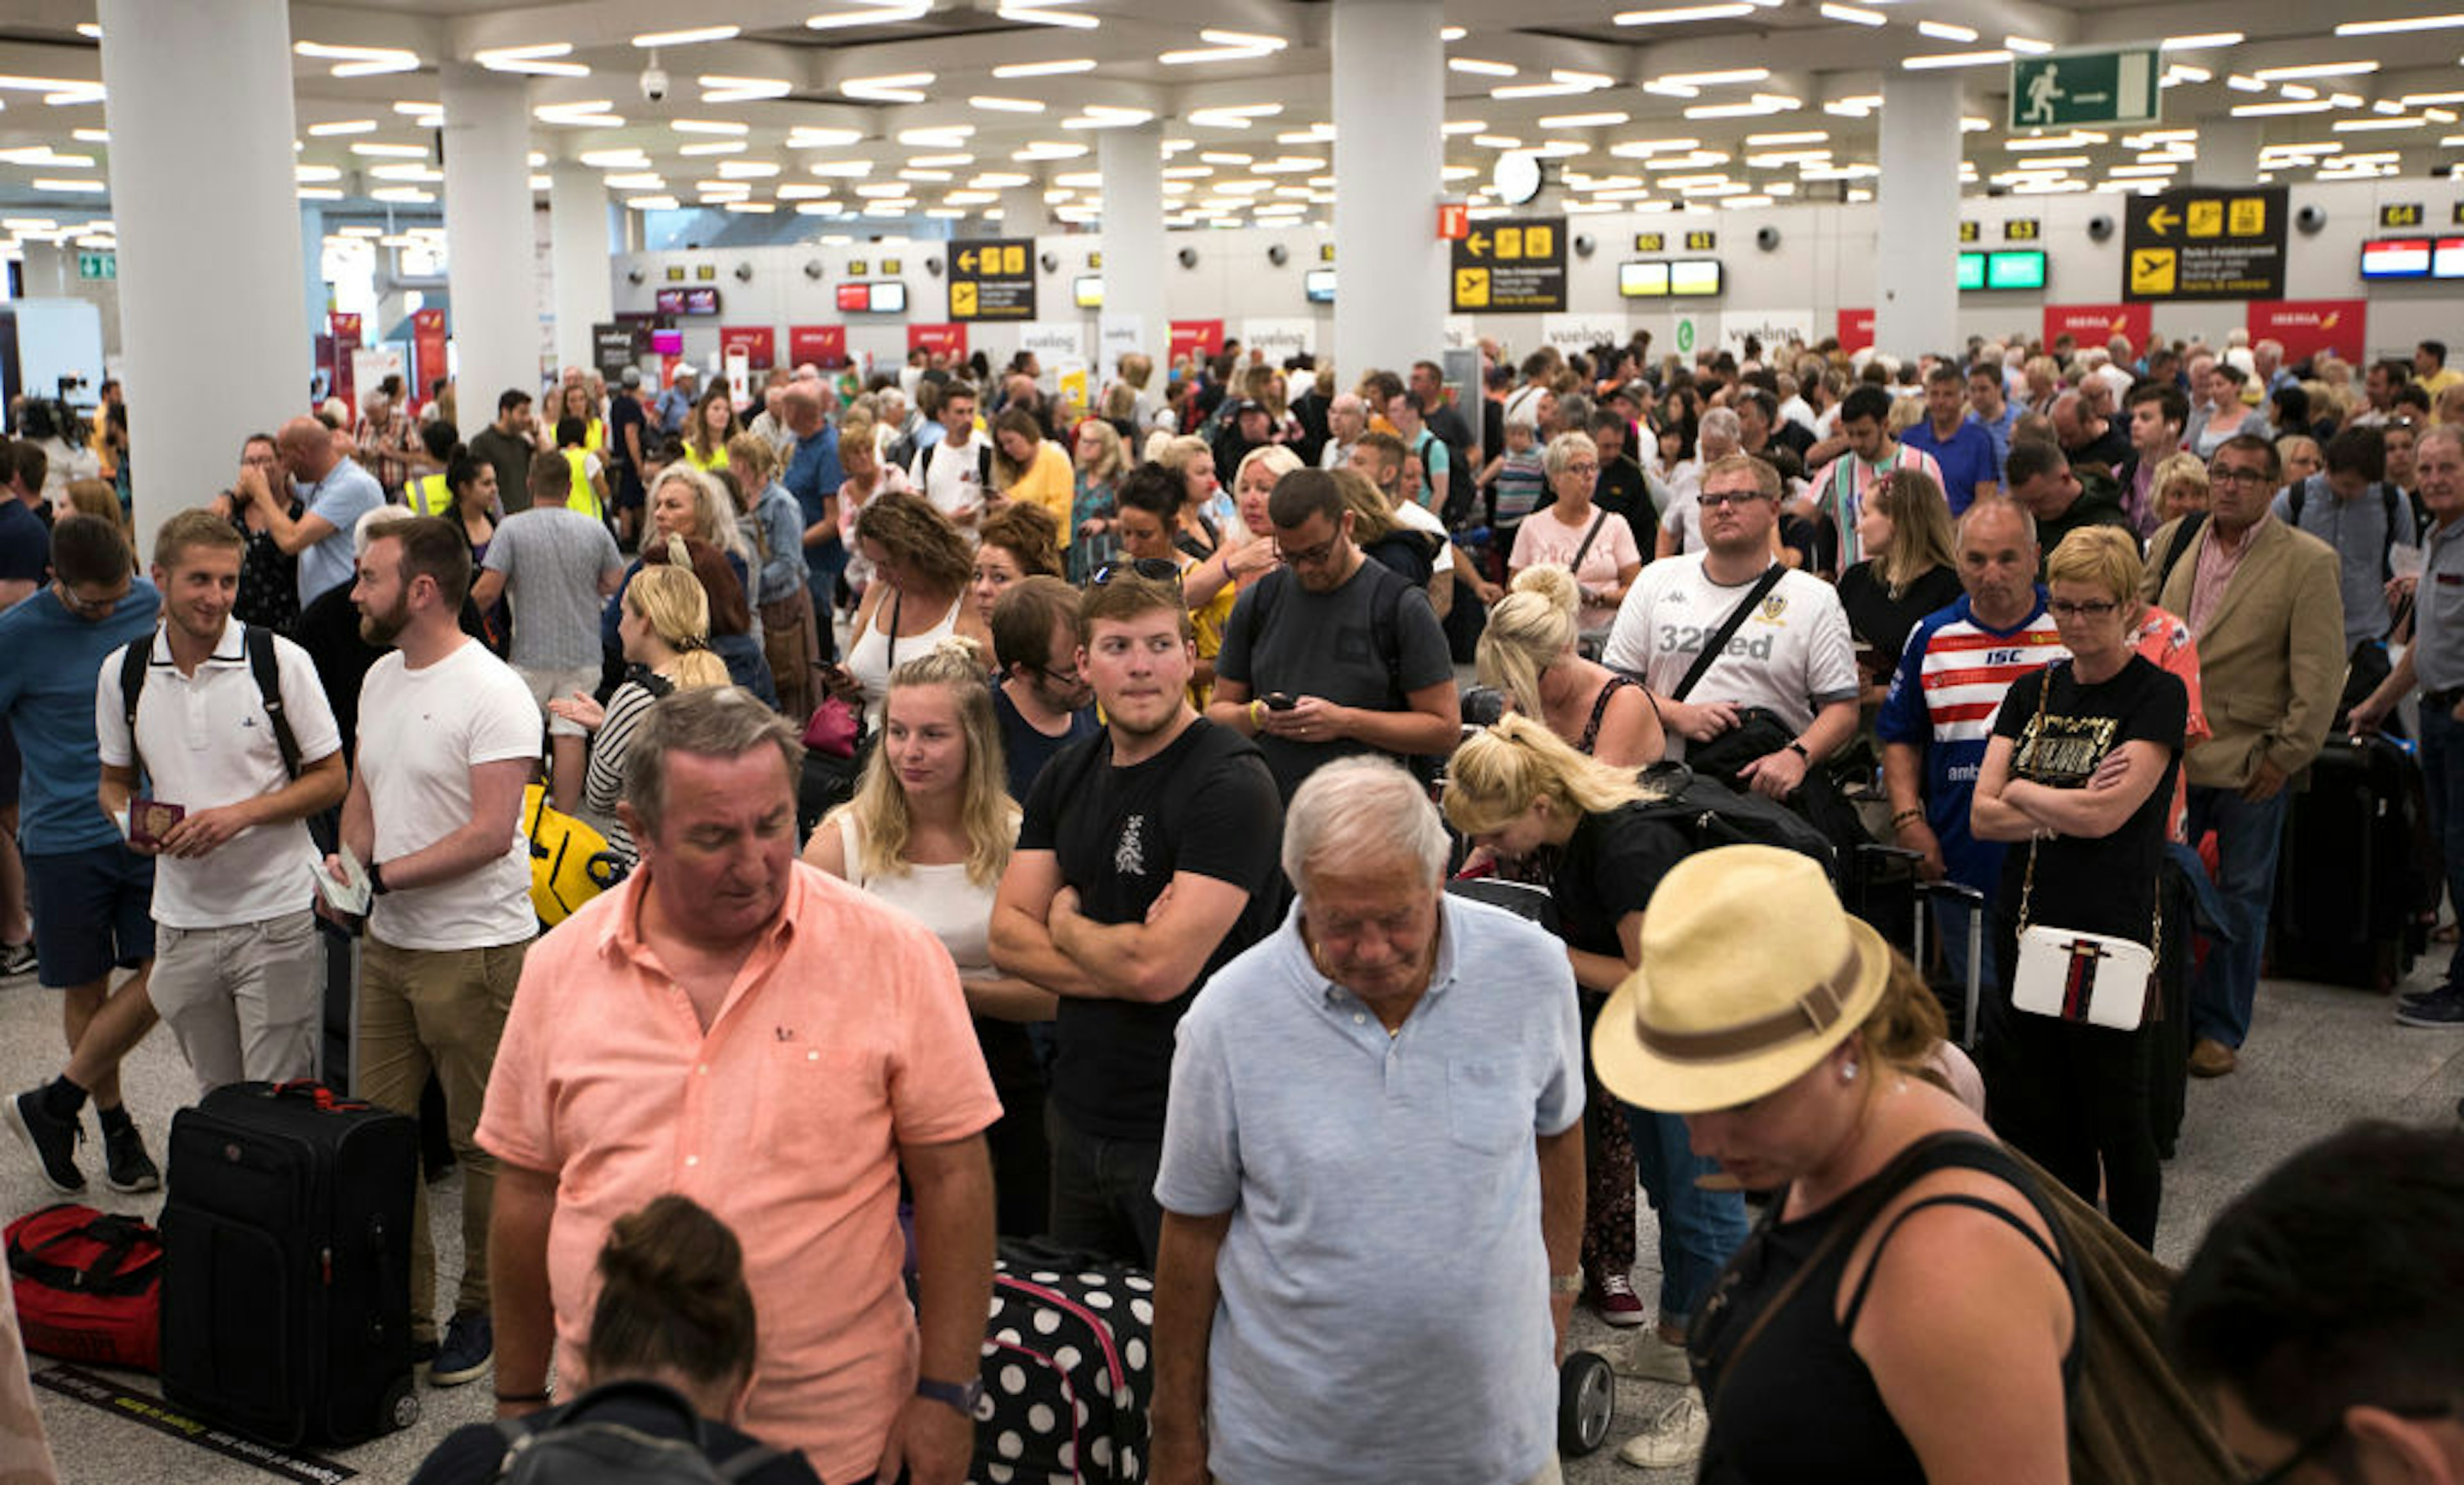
1517, 789
1901, 1314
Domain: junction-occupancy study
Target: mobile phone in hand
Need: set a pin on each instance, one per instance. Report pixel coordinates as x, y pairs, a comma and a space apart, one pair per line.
1279, 701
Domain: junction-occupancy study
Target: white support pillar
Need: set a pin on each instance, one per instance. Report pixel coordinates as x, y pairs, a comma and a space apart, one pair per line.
583, 290
491, 250
196, 205
1916, 265
2228, 152
1390, 106
1135, 253
48, 267
1022, 212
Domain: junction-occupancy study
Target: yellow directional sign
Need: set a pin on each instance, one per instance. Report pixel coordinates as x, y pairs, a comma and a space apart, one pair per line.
2206, 218
1649, 242
2162, 220
1477, 244
1471, 288
1515, 264
1968, 231
2152, 271
992, 280
2248, 216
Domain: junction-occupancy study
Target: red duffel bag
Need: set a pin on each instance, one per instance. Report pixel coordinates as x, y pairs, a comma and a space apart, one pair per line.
88, 1286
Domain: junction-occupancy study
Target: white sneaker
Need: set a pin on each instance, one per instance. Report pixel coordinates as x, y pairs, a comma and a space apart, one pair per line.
1671, 1441
1647, 1355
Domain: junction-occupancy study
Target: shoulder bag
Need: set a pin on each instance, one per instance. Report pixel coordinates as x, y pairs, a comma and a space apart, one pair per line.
2090, 979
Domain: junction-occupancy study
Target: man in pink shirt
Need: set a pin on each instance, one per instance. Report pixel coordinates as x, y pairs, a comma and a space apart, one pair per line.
767, 1040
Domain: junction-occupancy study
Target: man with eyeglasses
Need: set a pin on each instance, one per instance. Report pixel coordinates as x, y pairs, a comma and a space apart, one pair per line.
1145, 861
2323, 1364
1789, 655
1335, 654
1042, 699
92, 898
2264, 603
2434, 663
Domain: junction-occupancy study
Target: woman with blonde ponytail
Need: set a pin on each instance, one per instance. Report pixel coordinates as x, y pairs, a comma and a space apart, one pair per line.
1516, 787
930, 830
1528, 653
665, 627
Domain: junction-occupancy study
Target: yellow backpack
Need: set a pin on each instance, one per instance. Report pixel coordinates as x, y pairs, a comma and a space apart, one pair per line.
571, 863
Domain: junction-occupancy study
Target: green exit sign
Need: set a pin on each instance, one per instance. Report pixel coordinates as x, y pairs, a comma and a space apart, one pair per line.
98, 265
2065, 89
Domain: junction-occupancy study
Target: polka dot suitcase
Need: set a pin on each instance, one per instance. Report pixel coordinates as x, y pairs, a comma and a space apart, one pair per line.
1066, 1372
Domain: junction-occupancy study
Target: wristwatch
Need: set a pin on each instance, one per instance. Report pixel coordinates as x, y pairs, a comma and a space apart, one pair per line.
377, 887
961, 1395
1798, 748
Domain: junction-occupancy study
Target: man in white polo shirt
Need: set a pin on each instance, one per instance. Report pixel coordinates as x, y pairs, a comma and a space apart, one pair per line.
954, 473
238, 962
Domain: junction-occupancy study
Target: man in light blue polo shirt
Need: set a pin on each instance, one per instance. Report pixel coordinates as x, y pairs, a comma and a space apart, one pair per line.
335, 493
1355, 1107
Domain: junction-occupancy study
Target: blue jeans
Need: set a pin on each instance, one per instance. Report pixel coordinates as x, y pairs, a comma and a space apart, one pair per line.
2247, 838
1699, 1229
2442, 779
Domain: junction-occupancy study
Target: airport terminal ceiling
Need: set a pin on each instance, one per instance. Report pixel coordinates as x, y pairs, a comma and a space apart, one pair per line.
897, 114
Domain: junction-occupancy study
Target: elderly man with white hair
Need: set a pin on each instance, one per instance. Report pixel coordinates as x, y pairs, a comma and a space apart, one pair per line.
1376, 1104
1346, 418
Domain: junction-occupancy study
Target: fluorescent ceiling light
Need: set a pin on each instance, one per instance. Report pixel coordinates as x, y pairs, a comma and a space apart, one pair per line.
1480, 68
746, 170
709, 127
390, 151
716, 89
1054, 69
1106, 116
2203, 41
1713, 80
714, 147
2274, 110
1945, 31
889, 88
2315, 70
533, 59
1853, 14
1004, 106
939, 135
872, 12
1938, 59
2400, 23
1043, 14
2241, 84
1679, 16
1794, 137
358, 61
676, 38
343, 127
1600, 120
2026, 46
817, 135
1225, 46
2370, 125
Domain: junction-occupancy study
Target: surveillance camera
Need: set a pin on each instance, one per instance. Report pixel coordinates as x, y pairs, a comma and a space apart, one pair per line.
633, 276
744, 273
2310, 218
654, 84
2099, 227
813, 268
1766, 238
1051, 263
1585, 244
1188, 258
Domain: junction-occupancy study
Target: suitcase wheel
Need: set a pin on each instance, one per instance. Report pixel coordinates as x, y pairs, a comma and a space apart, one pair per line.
401, 1406
1586, 1403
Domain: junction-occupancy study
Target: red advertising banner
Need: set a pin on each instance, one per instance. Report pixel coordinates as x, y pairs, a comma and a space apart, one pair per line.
2094, 324
2309, 326
344, 331
759, 343
950, 337
819, 346
428, 350
1196, 338
1856, 330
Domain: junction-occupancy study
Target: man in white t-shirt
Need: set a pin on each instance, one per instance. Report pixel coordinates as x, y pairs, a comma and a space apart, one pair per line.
238, 967
951, 474
1793, 655
449, 737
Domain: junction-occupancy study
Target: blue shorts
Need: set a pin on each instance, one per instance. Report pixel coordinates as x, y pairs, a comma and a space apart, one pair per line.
93, 911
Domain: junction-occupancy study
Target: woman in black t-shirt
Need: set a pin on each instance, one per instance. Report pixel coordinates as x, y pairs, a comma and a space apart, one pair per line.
1518, 789
2080, 769
1905, 523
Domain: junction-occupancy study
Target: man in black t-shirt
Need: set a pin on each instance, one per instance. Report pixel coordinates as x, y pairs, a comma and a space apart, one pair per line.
1040, 698
1146, 857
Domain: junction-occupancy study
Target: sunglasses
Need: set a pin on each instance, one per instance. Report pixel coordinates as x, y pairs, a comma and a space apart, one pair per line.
1154, 569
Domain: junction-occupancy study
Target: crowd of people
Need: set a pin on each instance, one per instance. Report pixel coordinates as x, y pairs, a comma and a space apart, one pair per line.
1126, 922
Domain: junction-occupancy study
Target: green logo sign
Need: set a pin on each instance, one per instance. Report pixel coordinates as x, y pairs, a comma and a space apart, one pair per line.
98, 265
1685, 337
2063, 89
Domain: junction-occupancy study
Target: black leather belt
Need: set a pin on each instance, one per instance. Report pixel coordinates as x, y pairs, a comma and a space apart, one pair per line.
2445, 701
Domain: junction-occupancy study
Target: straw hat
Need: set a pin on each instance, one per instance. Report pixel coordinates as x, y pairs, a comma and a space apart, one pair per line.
1751, 972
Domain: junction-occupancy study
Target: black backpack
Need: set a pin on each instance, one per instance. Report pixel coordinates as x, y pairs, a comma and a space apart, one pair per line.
574, 1450
1711, 814
259, 642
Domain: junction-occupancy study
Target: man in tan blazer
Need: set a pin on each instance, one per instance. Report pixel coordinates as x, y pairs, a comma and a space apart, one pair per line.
2263, 601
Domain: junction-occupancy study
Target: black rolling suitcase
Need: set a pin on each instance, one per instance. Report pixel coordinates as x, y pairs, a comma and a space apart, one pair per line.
286, 1276
2352, 884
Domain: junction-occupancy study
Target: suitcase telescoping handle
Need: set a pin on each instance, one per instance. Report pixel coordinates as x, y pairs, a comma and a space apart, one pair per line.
326, 1101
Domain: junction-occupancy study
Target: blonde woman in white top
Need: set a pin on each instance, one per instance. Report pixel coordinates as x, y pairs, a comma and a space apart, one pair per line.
928, 831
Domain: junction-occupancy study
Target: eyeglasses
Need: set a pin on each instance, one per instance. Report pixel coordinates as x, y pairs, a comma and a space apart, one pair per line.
2064, 608
1580, 469
90, 608
1713, 500
1310, 556
2318, 1443
1068, 679
2224, 476
1154, 569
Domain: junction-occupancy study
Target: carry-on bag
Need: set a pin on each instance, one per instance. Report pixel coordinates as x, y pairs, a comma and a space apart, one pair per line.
88, 1286
286, 1278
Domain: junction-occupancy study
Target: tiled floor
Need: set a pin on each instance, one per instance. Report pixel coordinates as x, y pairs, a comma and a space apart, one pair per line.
2319, 1057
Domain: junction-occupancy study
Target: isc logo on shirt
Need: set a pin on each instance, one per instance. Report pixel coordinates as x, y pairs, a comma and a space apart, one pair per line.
2006, 656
